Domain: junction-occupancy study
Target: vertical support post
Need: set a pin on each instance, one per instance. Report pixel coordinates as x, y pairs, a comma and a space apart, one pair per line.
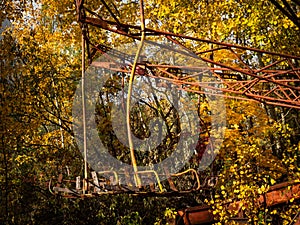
83, 113
137, 55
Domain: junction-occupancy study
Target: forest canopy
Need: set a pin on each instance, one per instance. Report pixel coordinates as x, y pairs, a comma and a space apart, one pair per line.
41, 50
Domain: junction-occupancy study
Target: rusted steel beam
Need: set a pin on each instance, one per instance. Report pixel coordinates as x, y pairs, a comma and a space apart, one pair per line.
277, 194
280, 196
270, 97
99, 23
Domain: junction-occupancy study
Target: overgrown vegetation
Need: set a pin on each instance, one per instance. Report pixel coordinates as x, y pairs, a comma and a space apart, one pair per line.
40, 68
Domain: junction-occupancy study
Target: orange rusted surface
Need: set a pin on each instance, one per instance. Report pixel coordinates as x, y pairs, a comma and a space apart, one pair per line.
197, 215
280, 196
277, 194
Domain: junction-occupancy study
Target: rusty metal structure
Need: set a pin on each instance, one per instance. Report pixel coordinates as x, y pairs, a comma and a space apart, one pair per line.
98, 184
273, 79
276, 195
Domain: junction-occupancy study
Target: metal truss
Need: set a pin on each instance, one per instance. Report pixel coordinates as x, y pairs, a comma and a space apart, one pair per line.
273, 79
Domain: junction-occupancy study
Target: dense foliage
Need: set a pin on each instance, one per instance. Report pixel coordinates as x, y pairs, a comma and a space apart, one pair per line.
40, 68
